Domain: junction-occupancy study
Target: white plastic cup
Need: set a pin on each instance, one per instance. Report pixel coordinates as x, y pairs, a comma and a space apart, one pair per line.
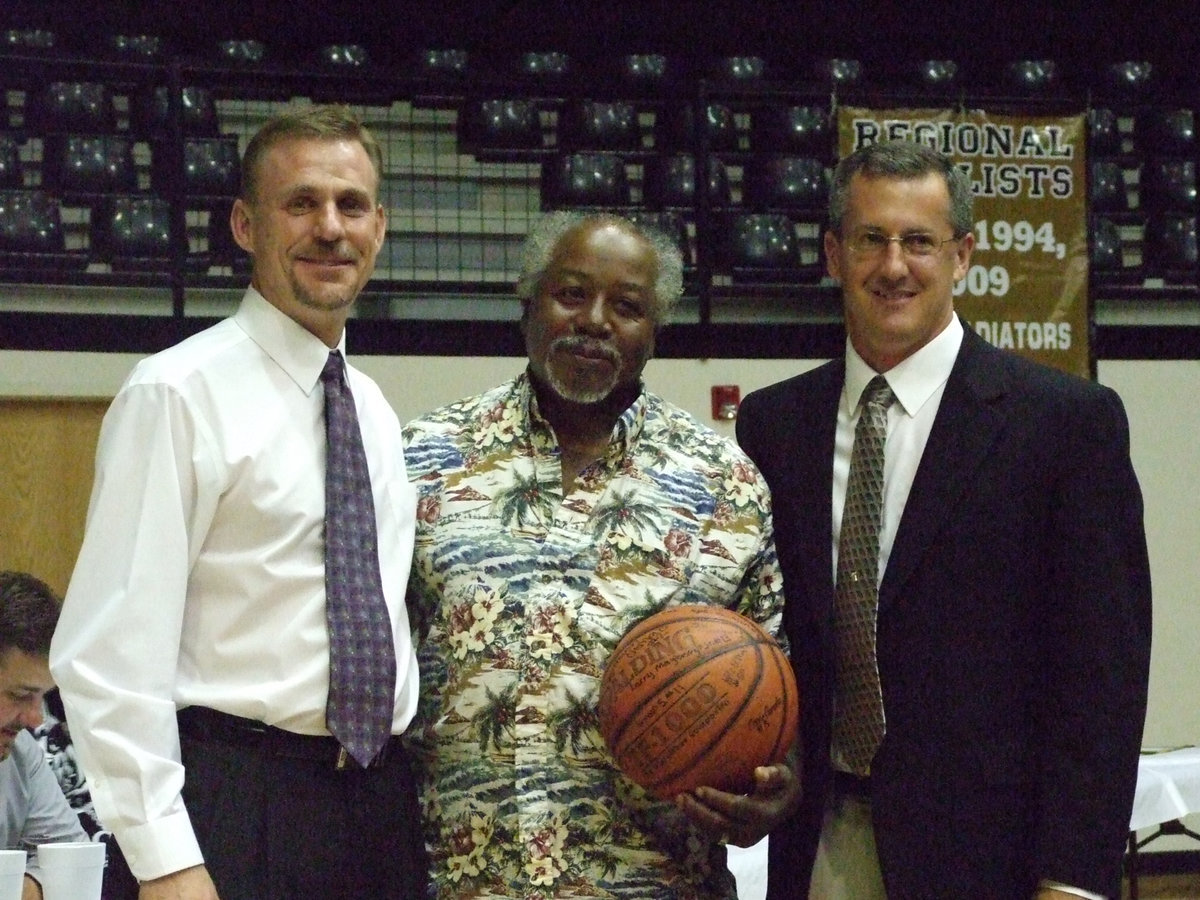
72, 871
12, 874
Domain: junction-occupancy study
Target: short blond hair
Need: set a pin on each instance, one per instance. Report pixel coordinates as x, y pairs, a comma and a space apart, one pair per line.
327, 123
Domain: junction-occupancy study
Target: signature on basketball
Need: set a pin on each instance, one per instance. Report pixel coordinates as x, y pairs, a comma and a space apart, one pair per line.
762, 721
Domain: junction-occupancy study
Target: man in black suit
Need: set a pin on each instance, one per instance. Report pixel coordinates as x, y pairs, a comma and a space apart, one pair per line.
1012, 633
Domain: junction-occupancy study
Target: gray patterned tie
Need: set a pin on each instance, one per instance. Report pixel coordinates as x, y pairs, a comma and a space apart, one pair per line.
858, 724
362, 655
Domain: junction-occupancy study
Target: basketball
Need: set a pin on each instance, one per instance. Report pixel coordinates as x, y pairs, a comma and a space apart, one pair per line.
697, 695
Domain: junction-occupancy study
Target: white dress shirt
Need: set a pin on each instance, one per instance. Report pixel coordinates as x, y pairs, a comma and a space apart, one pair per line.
918, 383
201, 579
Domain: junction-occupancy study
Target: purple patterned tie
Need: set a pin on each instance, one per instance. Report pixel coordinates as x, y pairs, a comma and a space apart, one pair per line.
362, 654
858, 724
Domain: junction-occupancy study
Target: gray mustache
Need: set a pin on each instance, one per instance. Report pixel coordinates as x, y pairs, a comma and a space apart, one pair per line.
580, 344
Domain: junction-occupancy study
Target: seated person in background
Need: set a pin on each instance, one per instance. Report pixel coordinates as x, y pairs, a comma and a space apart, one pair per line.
34, 810
55, 739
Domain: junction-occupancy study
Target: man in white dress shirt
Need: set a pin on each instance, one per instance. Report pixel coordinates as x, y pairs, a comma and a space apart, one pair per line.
193, 652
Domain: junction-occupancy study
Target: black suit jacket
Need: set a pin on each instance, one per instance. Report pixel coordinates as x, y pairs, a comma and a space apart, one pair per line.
1013, 630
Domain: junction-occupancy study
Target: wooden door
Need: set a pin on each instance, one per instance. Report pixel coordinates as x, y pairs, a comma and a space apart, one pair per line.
47, 451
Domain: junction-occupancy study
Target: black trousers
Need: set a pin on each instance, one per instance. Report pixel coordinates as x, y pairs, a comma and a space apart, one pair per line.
275, 827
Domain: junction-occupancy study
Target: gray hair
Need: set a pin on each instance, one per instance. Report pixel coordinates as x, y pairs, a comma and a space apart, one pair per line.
903, 160
545, 235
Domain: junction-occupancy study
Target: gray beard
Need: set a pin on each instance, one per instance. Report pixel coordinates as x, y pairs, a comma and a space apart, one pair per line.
579, 395
576, 394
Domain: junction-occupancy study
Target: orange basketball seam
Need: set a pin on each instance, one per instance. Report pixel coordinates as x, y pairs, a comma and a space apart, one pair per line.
692, 612
680, 673
688, 612
748, 696
675, 678
787, 684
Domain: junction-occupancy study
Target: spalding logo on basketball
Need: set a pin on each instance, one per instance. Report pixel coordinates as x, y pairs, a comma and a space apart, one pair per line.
697, 695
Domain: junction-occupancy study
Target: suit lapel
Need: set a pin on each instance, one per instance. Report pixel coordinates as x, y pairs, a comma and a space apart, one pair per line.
968, 423
815, 419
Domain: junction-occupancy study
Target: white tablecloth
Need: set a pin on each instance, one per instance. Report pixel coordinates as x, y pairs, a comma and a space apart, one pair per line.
1168, 787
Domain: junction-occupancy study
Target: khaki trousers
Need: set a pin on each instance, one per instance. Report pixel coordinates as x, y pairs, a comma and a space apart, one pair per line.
847, 866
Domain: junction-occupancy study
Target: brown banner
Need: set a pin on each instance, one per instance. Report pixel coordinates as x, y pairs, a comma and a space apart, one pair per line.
1027, 287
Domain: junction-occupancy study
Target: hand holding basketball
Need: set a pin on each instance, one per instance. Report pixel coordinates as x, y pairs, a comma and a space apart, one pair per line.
744, 819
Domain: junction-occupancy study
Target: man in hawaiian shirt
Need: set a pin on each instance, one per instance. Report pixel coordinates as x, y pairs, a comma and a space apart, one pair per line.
554, 512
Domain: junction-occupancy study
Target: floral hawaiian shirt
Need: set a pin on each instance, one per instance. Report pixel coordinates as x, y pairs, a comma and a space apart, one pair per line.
521, 594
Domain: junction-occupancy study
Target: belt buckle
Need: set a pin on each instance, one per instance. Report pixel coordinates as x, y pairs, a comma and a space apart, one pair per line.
850, 787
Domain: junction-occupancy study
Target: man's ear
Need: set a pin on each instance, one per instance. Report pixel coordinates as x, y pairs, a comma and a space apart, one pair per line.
380, 226
833, 262
239, 224
962, 256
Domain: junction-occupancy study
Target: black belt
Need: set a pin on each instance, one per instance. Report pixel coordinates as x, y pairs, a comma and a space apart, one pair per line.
203, 724
847, 784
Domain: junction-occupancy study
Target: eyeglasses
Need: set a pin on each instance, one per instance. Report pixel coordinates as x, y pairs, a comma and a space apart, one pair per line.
915, 245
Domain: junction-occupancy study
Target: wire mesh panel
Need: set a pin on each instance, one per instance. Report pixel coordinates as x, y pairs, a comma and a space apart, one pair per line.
454, 222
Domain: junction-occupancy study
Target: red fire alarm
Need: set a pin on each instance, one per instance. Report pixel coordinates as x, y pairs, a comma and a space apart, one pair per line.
725, 400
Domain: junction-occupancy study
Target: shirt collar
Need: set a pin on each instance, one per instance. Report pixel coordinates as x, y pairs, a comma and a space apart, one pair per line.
625, 433
296, 350
913, 380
